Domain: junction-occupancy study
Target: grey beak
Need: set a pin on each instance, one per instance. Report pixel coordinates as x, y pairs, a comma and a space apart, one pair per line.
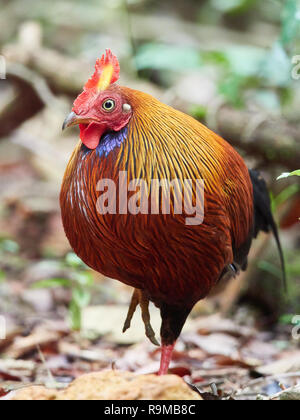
71, 119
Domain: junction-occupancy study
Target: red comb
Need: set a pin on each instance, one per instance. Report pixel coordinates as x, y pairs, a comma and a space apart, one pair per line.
105, 60
92, 85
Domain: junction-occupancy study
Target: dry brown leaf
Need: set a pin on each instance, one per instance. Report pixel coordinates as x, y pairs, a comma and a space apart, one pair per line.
92, 355
19, 368
290, 364
218, 324
39, 337
12, 331
215, 344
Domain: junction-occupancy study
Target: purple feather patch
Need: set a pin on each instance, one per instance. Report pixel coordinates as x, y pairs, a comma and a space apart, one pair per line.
110, 141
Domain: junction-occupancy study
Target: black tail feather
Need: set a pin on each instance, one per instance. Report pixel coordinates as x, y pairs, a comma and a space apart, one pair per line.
264, 220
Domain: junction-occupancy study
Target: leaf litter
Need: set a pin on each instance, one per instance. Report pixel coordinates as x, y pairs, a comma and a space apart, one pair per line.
213, 353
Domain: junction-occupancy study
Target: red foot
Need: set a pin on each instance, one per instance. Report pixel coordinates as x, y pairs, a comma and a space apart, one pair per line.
165, 359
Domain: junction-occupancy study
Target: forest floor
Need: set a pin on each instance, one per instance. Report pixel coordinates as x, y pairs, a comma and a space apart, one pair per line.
221, 356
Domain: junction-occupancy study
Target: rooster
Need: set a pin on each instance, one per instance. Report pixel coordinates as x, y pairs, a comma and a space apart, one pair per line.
166, 260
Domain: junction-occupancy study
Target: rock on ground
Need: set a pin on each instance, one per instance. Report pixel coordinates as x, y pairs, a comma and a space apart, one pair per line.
114, 385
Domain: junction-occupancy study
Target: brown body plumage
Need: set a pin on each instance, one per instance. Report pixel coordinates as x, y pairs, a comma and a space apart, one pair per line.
174, 265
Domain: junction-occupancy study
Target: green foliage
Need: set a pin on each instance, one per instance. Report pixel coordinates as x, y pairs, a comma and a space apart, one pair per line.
286, 319
198, 112
244, 61
85, 278
267, 72
276, 67
80, 283
75, 262
270, 268
285, 195
52, 283
232, 6
267, 99
288, 174
231, 88
289, 191
74, 316
290, 301
167, 57
81, 298
290, 22
8, 252
294, 264
2, 276
8, 246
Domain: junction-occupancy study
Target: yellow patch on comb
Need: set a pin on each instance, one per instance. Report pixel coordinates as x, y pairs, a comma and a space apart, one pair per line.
106, 77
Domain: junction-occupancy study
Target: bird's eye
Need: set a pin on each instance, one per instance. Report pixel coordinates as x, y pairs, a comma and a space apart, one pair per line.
109, 105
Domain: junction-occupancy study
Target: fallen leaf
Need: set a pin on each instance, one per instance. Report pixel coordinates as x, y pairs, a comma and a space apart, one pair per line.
23, 345
290, 364
218, 324
3, 393
215, 344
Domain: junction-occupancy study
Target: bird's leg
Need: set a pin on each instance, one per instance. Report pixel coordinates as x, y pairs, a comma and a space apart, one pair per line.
165, 359
144, 304
173, 319
138, 297
131, 310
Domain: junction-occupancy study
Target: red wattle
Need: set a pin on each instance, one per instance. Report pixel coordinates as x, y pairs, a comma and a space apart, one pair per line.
91, 134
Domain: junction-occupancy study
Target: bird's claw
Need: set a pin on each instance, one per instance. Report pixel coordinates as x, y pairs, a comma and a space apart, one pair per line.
131, 310
139, 298
151, 335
